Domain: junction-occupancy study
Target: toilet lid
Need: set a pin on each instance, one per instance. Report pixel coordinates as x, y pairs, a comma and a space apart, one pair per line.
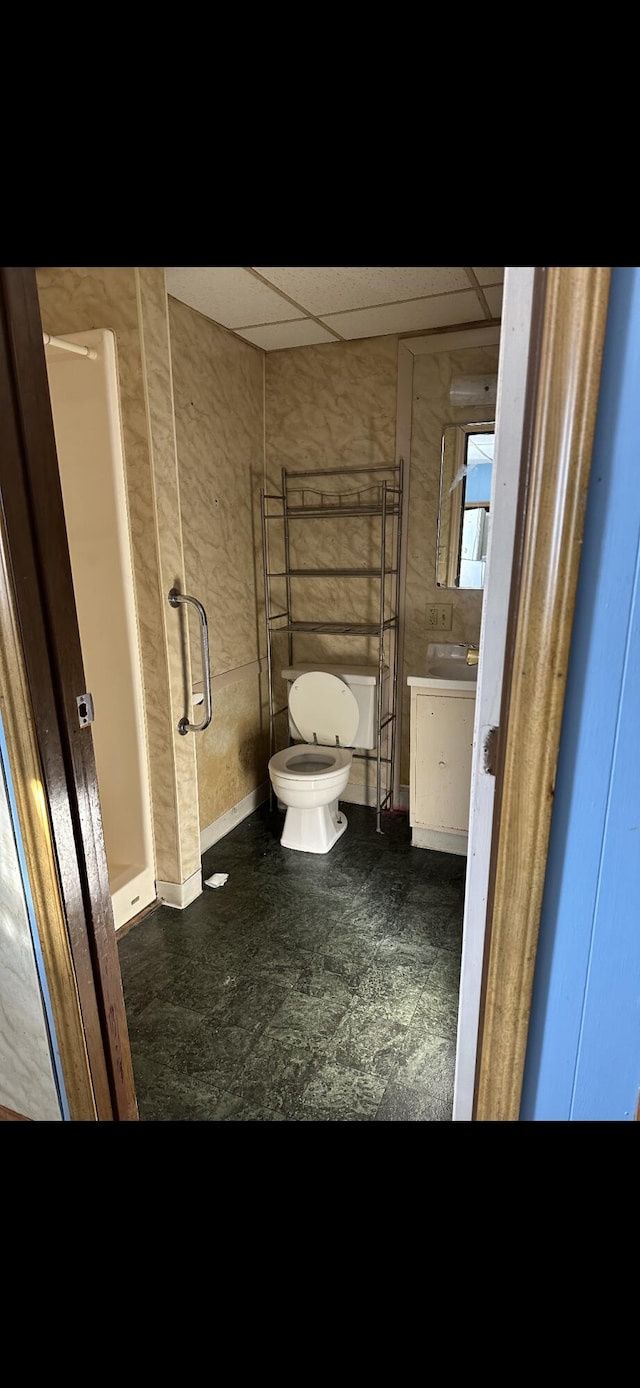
324, 705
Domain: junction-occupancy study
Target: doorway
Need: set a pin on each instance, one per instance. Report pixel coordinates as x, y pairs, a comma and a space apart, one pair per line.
575, 404
49, 752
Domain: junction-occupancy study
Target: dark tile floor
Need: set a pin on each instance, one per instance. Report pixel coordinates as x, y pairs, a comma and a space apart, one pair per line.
308, 987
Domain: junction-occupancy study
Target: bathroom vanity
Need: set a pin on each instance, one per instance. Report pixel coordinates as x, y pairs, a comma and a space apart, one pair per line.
442, 716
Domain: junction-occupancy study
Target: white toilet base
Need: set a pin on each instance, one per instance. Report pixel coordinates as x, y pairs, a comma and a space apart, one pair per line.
314, 830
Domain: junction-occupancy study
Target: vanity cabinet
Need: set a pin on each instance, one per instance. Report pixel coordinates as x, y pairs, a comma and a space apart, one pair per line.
440, 770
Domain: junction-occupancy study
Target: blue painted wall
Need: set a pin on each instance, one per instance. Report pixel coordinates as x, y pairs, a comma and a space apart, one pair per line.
583, 1056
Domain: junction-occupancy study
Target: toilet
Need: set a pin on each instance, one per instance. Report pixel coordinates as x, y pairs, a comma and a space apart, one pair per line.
332, 712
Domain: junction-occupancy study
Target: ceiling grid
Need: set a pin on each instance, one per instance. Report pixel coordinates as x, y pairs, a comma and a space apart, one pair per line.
275, 307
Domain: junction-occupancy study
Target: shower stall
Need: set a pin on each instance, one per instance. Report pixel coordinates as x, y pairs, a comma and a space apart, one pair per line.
83, 385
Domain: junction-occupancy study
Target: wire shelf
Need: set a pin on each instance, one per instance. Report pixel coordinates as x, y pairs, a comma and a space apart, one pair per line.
339, 628
332, 573
304, 497
368, 500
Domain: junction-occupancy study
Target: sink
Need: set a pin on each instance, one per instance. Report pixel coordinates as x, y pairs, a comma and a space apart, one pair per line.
447, 661
446, 668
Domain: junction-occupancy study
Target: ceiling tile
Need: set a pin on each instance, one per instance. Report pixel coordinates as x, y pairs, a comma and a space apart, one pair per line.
301, 332
226, 293
486, 275
493, 297
439, 312
324, 289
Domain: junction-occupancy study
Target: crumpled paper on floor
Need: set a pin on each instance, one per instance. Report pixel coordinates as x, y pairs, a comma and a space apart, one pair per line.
218, 879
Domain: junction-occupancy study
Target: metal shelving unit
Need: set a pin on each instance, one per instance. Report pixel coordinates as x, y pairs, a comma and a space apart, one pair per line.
303, 498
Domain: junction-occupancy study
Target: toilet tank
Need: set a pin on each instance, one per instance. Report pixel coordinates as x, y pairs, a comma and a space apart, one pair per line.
363, 682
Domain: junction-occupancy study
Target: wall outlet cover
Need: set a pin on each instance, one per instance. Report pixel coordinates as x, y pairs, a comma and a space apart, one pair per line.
439, 616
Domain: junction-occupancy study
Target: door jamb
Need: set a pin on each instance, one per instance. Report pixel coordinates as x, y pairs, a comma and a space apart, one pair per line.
40, 573
561, 403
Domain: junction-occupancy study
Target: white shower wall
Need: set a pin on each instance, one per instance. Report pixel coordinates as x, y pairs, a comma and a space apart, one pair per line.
86, 417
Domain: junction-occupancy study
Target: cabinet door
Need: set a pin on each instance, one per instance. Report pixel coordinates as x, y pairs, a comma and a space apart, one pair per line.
442, 767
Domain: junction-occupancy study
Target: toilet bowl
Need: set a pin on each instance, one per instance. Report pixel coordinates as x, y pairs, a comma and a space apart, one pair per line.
310, 776
309, 780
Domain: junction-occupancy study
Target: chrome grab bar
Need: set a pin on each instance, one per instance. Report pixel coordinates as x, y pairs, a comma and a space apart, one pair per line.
184, 726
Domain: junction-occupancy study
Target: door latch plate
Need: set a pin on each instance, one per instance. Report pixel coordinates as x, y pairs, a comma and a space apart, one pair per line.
491, 751
85, 709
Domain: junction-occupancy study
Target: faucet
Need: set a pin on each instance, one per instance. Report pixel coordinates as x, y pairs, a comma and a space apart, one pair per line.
473, 652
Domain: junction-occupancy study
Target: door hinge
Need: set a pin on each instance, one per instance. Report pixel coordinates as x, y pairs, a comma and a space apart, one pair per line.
85, 709
491, 751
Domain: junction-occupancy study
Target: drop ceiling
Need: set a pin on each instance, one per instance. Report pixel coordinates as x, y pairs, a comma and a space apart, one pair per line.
276, 306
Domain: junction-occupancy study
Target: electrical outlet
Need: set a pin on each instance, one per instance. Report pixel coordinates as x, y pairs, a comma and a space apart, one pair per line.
439, 617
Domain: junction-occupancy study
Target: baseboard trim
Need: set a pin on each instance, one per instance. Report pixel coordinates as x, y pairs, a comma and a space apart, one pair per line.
180, 894
442, 841
238, 812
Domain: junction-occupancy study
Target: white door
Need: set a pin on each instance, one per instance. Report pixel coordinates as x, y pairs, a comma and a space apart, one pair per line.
512, 376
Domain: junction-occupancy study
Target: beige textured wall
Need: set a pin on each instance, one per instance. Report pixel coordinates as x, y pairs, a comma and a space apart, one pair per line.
431, 411
133, 304
219, 411
330, 406
179, 802
336, 404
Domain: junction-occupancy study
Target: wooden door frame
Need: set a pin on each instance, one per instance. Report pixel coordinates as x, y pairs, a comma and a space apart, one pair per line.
560, 413
38, 573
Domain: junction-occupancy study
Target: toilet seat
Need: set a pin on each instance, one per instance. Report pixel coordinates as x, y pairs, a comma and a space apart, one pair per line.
324, 709
310, 762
